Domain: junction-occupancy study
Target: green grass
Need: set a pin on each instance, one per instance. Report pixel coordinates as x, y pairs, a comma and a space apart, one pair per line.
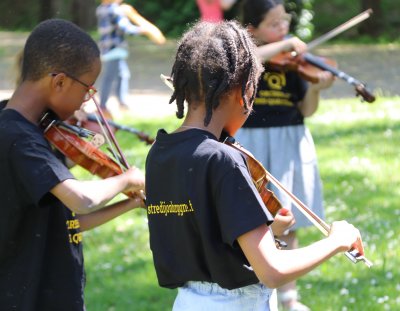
119, 267
357, 146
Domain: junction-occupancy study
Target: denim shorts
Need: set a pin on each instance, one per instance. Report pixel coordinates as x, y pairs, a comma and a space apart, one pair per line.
196, 296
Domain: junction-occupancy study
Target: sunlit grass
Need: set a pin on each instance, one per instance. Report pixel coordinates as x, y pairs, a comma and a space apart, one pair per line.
358, 153
357, 145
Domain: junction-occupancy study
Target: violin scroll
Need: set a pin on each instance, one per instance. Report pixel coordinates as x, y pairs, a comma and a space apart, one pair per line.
361, 90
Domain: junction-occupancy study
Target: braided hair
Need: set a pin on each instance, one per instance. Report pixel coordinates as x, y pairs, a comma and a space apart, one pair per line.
57, 45
211, 60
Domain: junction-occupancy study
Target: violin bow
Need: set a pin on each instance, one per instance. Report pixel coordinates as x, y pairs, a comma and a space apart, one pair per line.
115, 143
360, 87
339, 29
316, 221
110, 135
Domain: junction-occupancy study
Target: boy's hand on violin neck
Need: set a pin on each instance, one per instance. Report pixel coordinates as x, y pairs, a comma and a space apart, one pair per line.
345, 236
135, 179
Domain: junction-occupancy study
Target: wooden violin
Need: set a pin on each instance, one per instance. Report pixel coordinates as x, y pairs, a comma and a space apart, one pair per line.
309, 65
261, 177
67, 139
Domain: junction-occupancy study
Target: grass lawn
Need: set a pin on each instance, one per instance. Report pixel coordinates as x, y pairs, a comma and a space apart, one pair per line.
359, 164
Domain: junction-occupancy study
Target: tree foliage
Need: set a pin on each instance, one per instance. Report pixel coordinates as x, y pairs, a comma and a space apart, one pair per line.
310, 17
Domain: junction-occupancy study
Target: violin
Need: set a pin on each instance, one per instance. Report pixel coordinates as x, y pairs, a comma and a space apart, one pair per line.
261, 177
308, 66
67, 139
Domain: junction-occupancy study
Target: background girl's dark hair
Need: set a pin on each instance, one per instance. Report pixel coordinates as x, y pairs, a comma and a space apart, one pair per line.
254, 11
57, 45
211, 60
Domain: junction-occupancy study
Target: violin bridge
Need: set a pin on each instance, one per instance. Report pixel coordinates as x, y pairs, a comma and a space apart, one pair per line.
98, 140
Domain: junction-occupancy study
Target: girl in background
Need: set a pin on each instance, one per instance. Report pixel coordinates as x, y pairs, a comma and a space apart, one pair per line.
275, 131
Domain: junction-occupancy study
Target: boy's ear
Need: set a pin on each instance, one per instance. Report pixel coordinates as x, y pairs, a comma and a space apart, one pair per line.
58, 80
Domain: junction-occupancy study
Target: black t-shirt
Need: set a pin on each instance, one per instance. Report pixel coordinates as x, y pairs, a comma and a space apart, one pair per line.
41, 261
200, 199
277, 99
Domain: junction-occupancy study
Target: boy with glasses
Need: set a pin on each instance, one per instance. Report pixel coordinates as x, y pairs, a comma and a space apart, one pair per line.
44, 208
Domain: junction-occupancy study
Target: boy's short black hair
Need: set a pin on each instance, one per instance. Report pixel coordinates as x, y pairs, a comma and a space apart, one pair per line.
56, 45
211, 60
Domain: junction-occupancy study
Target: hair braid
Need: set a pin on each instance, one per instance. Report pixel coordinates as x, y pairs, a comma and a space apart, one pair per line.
211, 60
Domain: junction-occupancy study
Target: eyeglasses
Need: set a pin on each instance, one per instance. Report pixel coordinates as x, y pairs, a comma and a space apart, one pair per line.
284, 21
90, 89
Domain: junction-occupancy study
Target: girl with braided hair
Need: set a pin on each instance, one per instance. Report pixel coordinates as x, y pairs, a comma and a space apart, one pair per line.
210, 231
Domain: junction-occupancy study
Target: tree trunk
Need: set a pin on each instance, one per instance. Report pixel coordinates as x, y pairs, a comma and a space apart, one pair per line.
83, 13
50, 9
372, 26
46, 9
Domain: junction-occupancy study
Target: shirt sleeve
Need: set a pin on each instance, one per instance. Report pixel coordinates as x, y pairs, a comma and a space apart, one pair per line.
302, 88
36, 167
125, 25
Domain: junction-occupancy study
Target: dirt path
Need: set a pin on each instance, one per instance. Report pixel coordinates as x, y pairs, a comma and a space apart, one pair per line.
377, 66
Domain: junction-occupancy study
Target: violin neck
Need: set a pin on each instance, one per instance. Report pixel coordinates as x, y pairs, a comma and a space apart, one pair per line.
317, 62
142, 136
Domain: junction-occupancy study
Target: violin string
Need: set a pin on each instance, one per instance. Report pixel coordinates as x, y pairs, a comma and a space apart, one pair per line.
124, 165
111, 147
118, 155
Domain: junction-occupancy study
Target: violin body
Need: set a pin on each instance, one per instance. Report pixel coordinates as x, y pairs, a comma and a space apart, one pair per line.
81, 152
260, 179
286, 62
